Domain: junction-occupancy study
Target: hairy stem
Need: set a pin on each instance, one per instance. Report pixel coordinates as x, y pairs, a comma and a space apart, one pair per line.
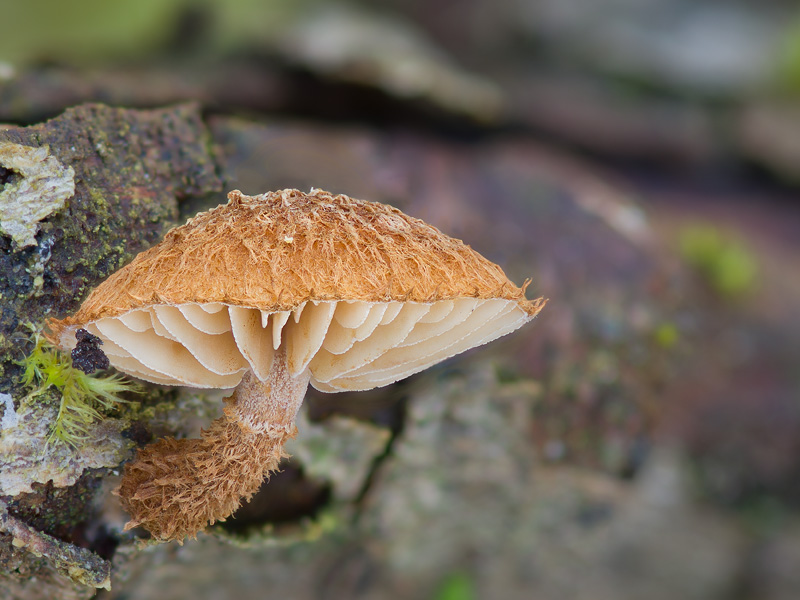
176, 488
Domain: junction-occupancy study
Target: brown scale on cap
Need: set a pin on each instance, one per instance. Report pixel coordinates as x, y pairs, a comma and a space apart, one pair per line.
266, 295
280, 249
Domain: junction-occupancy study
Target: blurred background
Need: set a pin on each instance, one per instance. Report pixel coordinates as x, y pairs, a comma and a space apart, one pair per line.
638, 159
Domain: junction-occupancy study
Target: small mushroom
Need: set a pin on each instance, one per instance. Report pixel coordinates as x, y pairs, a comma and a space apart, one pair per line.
267, 294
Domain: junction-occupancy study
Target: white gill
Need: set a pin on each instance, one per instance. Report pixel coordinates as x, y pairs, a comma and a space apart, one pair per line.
345, 345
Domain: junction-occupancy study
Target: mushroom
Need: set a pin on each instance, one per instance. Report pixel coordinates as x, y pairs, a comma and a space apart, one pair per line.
267, 294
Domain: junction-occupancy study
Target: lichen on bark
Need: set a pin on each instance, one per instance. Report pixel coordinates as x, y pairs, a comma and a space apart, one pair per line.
79, 564
131, 168
128, 169
41, 188
28, 455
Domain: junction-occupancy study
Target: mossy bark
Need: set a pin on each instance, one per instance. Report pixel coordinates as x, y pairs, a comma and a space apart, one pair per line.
130, 169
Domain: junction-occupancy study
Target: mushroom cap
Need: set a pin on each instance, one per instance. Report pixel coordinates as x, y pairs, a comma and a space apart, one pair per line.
362, 294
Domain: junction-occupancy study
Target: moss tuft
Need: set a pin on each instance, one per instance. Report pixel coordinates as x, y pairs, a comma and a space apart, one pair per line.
82, 396
728, 265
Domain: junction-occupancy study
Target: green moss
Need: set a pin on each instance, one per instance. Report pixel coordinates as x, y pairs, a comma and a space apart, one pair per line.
307, 531
729, 267
666, 335
82, 396
457, 586
124, 201
788, 59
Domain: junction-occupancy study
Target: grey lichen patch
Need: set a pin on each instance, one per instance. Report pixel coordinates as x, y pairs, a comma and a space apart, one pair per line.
43, 187
82, 566
10, 418
27, 458
30, 578
340, 451
464, 440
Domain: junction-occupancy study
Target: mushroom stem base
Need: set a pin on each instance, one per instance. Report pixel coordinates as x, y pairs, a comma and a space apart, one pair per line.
175, 488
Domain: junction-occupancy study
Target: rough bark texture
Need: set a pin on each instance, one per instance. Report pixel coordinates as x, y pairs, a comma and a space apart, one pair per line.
130, 168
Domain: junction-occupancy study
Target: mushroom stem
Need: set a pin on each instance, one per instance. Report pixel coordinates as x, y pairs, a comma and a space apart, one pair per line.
176, 488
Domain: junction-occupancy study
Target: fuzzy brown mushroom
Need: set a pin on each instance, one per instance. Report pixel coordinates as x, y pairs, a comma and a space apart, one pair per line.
267, 294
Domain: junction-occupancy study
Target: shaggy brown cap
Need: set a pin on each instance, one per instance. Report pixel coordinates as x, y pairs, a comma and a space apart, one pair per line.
278, 250
375, 296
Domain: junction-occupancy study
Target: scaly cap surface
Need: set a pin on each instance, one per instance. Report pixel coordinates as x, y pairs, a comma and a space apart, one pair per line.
345, 265
280, 249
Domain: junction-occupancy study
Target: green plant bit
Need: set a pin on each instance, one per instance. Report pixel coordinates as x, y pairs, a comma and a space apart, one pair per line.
82, 396
728, 265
